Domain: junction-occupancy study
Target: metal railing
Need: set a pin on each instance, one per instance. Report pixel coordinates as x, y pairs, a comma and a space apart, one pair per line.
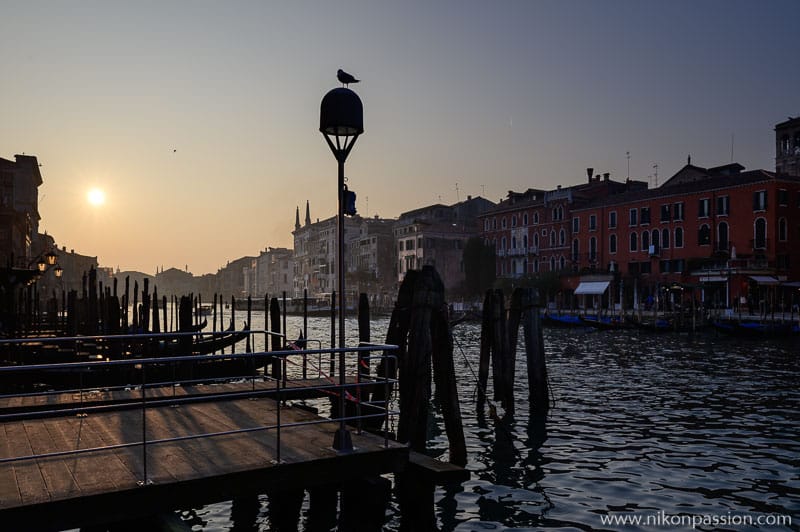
128, 398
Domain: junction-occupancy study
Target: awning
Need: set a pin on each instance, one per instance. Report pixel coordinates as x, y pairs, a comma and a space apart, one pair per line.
591, 288
764, 279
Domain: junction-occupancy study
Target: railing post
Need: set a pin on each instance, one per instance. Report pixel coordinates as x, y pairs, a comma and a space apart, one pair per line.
278, 416
144, 425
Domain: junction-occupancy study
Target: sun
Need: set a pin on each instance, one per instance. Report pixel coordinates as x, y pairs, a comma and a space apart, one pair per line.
96, 197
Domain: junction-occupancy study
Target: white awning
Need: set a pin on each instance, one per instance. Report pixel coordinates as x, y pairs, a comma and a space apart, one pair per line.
709, 279
591, 288
764, 279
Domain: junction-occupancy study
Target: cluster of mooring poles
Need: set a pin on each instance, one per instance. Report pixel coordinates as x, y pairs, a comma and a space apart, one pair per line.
499, 337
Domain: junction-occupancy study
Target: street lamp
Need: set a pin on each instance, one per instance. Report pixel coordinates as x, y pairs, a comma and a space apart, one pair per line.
341, 121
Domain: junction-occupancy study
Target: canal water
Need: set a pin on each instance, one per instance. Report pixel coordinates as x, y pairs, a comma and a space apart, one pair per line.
644, 426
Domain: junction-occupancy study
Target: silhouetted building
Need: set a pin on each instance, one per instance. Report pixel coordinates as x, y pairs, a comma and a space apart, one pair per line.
787, 147
175, 282
19, 210
435, 235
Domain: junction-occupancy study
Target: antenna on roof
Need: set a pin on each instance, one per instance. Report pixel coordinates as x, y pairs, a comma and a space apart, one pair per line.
655, 176
731, 147
458, 196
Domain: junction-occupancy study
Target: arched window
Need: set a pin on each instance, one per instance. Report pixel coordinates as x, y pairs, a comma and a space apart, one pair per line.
760, 230
552, 239
536, 266
612, 243
722, 236
525, 219
503, 222
513, 242
704, 235
514, 221
536, 240
494, 223
783, 231
593, 249
655, 239
552, 264
575, 250
634, 242
525, 241
536, 219
679, 237
665, 238
503, 243
645, 240
562, 263
562, 237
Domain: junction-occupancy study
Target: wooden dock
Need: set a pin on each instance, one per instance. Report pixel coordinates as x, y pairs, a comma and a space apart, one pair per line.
102, 486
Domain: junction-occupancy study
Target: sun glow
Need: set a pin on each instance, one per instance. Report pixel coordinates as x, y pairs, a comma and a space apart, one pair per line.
96, 197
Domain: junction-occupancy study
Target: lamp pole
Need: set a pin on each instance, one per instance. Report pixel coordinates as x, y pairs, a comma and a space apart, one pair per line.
341, 122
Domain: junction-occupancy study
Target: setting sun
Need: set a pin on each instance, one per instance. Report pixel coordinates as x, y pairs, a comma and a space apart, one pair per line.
96, 197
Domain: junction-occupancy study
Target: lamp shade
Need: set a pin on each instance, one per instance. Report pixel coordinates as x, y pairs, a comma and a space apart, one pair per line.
341, 113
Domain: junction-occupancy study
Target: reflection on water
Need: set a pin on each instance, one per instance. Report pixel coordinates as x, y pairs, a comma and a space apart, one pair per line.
642, 423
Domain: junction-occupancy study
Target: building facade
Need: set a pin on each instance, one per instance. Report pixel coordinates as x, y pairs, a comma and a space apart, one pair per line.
436, 235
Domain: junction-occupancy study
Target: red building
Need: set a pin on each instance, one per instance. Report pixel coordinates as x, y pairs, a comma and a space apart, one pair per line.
729, 235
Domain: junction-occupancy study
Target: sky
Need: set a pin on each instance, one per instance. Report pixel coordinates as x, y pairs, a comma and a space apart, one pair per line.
199, 120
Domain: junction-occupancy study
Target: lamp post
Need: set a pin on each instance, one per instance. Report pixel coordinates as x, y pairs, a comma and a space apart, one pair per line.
341, 121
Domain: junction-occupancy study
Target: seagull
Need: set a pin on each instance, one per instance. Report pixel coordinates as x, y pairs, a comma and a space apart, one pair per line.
346, 78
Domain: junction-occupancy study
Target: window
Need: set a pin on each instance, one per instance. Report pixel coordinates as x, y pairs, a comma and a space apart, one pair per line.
760, 241
552, 264
486, 224
612, 244
663, 266
634, 245
645, 240
677, 265
503, 243
562, 263
552, 239
644, 267
655, 239
536, 240
536, 266
782, 230
704, 235
593, 249
514, 221
525, 241
702, 208
633, 217
677, 211
760, 200
722, 236
536, 218
575, 250
665, 212
679, 237
576, 224
612, 220
723, 206
513, 242
645, 215
592, 222
562, 237
494, 223
503, 222
783, 197
525, 219
665, 238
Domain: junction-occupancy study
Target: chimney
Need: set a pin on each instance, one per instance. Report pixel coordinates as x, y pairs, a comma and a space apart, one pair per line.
589, 172
606, 176
597, 177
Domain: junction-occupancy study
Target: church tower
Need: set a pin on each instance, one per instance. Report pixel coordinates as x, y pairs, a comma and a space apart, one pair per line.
297, 219
308, 214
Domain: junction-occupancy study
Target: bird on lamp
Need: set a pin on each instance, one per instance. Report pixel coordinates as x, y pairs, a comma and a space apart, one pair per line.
346, 78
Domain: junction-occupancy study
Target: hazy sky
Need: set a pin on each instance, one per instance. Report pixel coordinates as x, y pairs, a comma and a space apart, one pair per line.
199, 120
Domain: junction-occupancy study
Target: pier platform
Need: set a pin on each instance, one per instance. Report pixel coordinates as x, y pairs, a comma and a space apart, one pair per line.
190, 458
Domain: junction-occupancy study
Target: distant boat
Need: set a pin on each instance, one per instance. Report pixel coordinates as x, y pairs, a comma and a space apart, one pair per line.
753, 329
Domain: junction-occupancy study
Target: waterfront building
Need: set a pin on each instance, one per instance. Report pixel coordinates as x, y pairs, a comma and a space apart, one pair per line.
787, 147
274, 273
315, 247
370, 263
19, 210
724, 235
435, 235
175, 282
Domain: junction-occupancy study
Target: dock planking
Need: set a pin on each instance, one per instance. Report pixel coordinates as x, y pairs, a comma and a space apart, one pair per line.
104, 485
